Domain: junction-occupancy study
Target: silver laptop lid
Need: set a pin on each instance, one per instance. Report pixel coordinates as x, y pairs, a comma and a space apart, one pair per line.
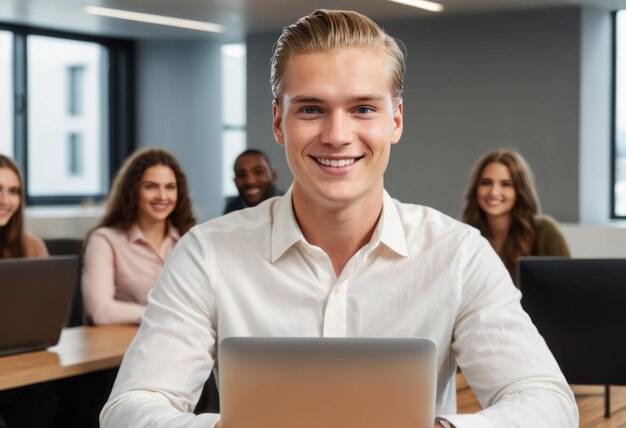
327, 382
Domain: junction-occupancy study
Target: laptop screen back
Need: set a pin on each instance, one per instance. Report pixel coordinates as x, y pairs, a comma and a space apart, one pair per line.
35, 297
327, 382
578, 307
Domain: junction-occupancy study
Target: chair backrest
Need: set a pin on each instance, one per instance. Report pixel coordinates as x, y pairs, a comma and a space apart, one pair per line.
63, 246
67, 246
578, 307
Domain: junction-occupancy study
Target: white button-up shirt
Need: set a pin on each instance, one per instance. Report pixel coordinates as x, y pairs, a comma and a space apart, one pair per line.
252, 273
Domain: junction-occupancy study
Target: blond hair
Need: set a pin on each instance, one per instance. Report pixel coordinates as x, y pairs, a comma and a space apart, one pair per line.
325, 30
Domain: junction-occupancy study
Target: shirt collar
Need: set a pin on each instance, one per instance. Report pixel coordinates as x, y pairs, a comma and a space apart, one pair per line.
172, 232
285, 229
135, 233
389, 231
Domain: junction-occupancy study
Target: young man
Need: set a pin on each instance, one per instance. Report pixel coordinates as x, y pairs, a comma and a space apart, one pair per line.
254, 178
366, 265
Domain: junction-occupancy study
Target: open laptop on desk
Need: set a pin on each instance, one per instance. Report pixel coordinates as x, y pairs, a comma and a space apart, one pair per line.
327, 382
35, 297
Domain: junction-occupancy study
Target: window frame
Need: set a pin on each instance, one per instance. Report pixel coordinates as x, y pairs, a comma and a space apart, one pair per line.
613, 119
121, 105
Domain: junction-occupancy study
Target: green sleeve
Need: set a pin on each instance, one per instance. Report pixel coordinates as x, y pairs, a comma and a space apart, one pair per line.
548, 240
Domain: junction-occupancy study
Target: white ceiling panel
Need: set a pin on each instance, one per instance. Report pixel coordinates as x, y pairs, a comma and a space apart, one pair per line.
238, 16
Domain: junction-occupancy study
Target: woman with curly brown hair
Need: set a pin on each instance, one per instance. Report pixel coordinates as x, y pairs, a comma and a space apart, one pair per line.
501, 201
14, 242
148, 209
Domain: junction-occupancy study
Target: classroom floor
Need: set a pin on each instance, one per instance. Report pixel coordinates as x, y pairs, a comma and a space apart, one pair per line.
590, 400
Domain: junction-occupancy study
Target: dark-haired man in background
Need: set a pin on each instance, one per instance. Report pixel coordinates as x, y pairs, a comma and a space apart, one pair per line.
254, 178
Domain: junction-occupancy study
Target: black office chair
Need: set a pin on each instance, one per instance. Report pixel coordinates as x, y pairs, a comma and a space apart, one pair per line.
578, 307
209, 401
66, 246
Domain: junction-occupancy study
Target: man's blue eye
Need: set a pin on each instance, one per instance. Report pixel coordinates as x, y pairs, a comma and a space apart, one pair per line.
310, 110
364, 109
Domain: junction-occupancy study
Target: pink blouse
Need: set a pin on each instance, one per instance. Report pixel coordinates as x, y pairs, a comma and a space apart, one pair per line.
119, 270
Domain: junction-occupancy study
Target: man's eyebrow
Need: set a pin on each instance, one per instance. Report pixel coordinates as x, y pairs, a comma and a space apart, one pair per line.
372, 97
301, 99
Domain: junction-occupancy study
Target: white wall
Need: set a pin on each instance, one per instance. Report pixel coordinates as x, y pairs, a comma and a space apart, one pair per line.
595, 241
62, 222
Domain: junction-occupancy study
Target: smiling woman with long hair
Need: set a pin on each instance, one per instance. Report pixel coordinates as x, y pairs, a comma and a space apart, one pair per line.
14, 241
501, 201
148, 209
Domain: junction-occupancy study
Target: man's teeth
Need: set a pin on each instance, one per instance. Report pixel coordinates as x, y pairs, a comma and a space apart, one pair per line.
336, 162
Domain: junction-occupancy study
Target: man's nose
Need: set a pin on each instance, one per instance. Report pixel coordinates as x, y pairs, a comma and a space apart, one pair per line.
250, 179
337, 131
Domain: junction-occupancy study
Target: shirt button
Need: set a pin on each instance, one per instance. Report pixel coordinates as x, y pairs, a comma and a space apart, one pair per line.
337, 290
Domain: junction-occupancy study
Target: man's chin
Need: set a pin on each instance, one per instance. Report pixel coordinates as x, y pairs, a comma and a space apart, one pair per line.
252, 203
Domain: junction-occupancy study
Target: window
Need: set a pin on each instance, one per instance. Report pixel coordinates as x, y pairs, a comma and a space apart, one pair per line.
75, 154
58, 110
619, 139
75, 89
6, 99
234, 111
73, 116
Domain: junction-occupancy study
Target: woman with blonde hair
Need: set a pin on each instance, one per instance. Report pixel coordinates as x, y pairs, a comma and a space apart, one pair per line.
501, 201
148, 209
14, 241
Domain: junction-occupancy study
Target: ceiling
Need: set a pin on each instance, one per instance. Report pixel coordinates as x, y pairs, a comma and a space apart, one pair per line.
239, 16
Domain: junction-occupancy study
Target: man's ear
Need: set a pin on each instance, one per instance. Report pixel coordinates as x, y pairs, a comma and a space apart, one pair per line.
398, 123
277, 123
274, 175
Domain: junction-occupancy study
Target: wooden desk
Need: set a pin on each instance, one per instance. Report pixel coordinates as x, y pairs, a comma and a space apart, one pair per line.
80, 350
589, 398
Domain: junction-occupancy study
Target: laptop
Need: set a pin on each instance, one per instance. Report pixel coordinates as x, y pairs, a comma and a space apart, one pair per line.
35, 298
327, 382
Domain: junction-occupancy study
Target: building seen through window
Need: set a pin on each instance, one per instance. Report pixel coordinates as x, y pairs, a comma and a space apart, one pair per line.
67, 88
75, 154
75, 87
